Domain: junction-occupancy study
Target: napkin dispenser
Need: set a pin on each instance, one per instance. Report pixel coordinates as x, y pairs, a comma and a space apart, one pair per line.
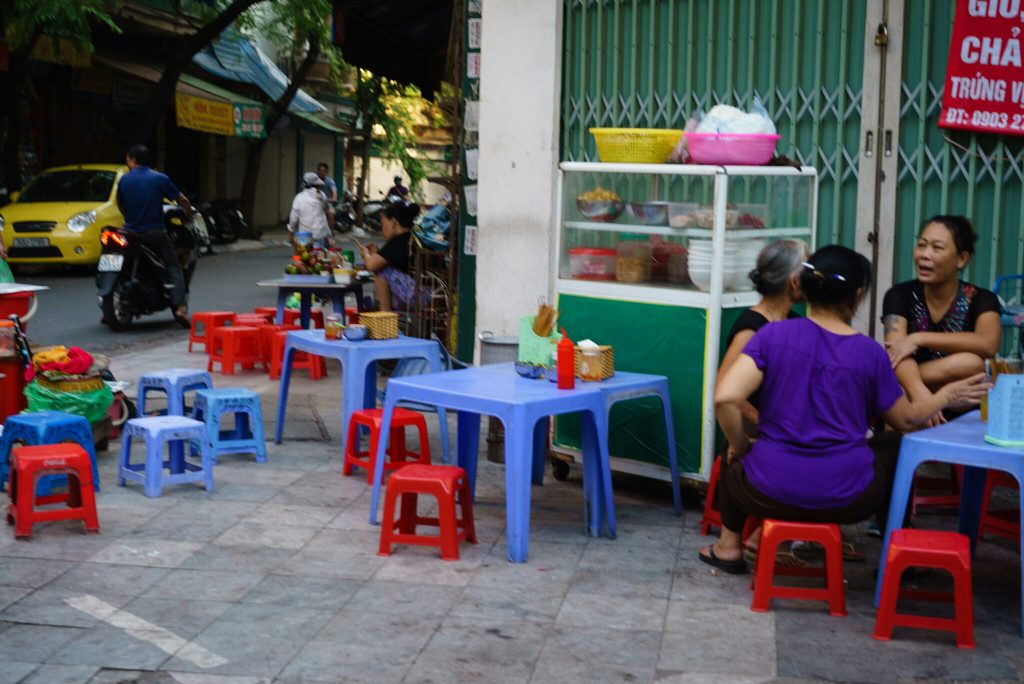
1006, 412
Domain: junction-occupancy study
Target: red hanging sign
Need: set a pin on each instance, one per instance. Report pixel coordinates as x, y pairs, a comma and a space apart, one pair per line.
985, 74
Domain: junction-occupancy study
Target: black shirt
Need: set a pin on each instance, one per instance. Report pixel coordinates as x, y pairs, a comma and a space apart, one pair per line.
750, 320
907, 300
396, 251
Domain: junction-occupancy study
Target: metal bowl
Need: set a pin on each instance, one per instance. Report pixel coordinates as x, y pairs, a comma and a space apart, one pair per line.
650, 213
355, 332
529, 371
604, 211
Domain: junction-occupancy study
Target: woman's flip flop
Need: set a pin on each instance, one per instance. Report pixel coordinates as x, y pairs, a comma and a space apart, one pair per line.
733, 567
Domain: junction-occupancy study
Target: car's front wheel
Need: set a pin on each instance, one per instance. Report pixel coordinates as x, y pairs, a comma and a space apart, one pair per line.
117, 312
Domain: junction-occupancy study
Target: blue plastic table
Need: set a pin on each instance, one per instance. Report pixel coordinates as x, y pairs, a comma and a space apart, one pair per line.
623, 386
359, 371
336, 293
520, 404
962, 442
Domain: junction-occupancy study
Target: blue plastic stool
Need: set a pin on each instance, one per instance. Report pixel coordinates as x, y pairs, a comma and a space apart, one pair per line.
173, 382
47, 427
247, 437
158, 431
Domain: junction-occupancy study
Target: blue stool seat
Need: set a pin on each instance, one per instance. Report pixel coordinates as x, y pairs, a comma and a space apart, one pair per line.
158, 431
46, 427
174, 382
247, 437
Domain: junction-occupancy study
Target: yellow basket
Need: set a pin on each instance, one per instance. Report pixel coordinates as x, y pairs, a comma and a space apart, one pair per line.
71, 383
606, 362
380, 325
635, 145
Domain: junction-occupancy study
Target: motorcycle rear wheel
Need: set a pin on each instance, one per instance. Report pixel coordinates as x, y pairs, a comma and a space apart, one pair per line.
117, 313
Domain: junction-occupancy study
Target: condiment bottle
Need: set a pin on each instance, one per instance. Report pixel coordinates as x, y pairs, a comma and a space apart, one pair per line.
566, 362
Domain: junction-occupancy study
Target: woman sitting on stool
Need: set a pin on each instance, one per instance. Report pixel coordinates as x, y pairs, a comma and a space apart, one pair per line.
390, 264
821, 382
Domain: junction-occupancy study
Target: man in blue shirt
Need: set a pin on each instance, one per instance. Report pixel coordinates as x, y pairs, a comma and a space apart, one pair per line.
140, 197
330, 187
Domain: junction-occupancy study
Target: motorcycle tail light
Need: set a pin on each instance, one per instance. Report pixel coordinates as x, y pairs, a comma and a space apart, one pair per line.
112, 235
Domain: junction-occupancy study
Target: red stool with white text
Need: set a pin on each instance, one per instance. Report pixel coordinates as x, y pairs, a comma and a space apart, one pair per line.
28, 464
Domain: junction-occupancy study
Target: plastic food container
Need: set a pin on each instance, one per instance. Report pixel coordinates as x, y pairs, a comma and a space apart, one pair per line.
592, 263
633, 264
682, 214
333, 326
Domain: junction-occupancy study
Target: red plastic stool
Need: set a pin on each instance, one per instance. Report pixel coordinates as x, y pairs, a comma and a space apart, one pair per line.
712, 516
267, 333
253, 319
1005, 521
441, 481
237, 344
773, 533
293, 316
397, 452
943, 492
927, 549
352, 314
300, 360
28, 463
266, 311
207, 320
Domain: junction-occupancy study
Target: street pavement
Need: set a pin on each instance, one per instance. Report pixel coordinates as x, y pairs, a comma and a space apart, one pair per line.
275, 576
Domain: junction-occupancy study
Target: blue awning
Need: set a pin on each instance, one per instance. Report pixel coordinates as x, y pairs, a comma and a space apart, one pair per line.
235, 58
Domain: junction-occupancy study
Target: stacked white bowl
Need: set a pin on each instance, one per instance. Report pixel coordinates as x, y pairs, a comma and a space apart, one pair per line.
740, 257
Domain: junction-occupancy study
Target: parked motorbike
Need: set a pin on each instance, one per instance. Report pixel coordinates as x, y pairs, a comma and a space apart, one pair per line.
344, 213
373, 210
131, 279
231, 223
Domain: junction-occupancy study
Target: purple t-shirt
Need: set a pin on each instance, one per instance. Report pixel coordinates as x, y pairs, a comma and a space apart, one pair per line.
818, 394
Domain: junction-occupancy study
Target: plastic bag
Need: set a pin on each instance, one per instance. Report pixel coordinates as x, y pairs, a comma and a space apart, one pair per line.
729, 119
5, 273
91, 405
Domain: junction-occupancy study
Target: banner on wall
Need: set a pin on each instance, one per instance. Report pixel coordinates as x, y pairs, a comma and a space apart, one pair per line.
984, 75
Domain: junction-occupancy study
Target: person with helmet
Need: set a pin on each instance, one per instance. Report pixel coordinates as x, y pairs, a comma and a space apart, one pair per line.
398, 190
309, 210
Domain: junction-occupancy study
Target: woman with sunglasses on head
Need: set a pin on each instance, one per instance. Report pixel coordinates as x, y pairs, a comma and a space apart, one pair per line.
938, 328
821, 383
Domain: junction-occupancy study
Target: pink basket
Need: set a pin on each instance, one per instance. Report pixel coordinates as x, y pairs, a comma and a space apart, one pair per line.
741, 149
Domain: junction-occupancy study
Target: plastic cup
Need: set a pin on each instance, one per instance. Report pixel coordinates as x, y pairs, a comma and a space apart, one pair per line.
333, 326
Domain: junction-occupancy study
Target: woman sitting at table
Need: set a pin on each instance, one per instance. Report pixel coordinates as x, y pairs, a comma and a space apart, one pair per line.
938, 328
821, 382
390, 264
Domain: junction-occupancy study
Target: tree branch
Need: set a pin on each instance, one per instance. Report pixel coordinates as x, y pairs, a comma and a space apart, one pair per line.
280, 106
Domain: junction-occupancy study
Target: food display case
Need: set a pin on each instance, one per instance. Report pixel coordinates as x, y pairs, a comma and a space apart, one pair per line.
652, 259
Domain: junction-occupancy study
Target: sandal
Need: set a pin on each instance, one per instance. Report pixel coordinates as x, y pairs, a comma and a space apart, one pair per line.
733, 567
853, 553
784, 556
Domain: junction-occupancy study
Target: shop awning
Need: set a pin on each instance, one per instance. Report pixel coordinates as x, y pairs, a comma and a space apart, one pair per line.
234, 58
202, 106
320, 123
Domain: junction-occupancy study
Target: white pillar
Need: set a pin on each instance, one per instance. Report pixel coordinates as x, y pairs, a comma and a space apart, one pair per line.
520, 109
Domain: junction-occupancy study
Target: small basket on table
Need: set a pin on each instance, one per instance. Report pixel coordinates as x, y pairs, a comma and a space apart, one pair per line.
380, 325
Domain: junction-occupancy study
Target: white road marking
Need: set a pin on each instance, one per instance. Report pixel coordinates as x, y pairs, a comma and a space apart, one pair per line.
166, 641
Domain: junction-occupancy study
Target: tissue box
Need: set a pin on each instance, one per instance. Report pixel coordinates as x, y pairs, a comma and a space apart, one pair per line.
606, 361
1006, 412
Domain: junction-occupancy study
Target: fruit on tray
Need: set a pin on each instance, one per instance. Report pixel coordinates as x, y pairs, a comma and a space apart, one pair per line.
599, 194
315, 262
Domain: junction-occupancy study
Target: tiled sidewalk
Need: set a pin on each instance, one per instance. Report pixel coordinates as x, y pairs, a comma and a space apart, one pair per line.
275, 577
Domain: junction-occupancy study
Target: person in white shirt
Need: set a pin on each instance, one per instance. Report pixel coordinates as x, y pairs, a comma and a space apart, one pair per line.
309, 210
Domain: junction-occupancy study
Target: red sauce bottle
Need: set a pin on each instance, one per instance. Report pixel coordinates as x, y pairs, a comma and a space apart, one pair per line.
566, 362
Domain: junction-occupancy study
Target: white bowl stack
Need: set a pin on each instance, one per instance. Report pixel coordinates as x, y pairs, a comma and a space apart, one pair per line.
740, 257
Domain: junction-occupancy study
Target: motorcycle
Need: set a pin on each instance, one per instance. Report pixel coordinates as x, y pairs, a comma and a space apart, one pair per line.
131, 279
373, 210
230, 222
344, 214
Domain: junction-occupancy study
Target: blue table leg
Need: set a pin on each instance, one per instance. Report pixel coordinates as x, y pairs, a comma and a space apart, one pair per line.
382, 448
540, 450
901, 487
338, 302
282, 299
353, 393
305, 304
972, 490
518, 463
176, 447
282, 395
468, 446
370, 386
670, 436
434, 360
597, 472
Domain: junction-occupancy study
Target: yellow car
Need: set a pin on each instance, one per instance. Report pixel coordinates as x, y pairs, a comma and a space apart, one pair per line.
58, 217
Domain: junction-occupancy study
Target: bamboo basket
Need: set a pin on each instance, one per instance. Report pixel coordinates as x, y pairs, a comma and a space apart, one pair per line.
380, 325
606, 361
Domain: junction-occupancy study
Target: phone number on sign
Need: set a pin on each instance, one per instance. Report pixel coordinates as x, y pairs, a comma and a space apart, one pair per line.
1000, 120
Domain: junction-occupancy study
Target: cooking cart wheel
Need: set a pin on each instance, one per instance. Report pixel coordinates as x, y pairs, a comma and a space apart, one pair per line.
560, 469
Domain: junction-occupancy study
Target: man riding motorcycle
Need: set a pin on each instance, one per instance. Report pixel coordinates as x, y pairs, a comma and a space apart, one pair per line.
140, 196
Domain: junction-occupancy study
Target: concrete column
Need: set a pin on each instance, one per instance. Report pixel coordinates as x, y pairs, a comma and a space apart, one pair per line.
520, 108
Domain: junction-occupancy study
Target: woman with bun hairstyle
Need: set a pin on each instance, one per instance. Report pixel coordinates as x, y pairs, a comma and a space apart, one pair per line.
938, 328
390, 263
821, 383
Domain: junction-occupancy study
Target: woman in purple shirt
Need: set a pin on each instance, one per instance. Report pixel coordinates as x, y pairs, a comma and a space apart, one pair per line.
821, 383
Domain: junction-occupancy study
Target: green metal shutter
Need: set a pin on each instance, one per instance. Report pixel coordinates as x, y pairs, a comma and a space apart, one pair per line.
651, 63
